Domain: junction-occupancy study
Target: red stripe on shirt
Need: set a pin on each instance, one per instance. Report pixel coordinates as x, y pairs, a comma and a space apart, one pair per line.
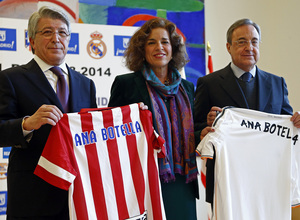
113, 153
135, 164
94, 170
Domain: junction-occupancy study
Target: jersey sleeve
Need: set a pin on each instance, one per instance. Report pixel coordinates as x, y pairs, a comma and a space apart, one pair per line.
54, 165
156, 140
159, 145
205, 148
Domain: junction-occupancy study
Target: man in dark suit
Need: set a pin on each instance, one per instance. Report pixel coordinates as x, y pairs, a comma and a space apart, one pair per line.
229, 87
29, 107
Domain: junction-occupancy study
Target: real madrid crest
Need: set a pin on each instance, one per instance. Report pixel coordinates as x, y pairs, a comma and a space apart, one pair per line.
96, 48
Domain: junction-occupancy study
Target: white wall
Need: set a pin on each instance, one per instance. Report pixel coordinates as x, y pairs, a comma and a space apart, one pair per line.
280, 47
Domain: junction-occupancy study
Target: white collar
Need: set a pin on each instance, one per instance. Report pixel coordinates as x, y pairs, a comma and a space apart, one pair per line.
44, 66
239, 72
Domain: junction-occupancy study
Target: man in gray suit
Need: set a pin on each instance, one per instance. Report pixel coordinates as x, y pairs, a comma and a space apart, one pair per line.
240, 84
30, 106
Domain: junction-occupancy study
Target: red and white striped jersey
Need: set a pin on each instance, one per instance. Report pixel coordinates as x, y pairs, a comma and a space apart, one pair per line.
107, 159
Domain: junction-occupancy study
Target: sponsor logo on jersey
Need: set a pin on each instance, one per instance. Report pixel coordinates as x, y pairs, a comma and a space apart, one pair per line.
8, 39
74, 44
121, 44
96, 48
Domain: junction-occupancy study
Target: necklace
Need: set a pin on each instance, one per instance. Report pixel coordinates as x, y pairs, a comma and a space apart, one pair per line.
167, 82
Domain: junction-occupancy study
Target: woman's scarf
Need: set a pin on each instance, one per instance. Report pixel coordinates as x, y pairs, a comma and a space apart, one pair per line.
177, 128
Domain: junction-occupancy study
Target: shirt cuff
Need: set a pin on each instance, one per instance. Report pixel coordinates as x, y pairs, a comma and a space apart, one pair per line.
25, 132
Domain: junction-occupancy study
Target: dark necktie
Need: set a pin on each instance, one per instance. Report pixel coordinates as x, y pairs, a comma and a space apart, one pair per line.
246, 77
62, 89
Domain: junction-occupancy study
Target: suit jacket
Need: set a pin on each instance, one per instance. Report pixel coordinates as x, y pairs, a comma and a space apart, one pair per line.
131, 88
23, 90
221, 89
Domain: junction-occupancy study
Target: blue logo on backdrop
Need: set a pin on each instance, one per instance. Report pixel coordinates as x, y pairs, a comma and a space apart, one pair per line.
74, 44
8, 39
3, 202
6, 151
121, 44
27, 43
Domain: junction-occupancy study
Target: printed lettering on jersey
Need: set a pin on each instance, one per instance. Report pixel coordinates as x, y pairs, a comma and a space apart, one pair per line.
112, 132
276, 129
120, 130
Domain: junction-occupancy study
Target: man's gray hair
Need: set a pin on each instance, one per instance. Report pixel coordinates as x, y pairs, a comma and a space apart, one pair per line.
239, 23
45, 12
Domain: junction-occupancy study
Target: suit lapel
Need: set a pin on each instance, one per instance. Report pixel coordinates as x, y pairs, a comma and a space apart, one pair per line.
189, 91
264, 89
74, 85
142, 88
230, 85
38, 79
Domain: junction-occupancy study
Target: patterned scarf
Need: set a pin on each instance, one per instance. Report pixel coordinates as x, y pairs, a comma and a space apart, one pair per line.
176, 126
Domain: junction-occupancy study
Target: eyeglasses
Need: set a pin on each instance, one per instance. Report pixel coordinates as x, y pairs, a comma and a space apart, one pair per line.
49, 33
244, 43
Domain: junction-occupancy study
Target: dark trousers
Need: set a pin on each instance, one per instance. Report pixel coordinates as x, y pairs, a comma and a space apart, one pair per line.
64, 215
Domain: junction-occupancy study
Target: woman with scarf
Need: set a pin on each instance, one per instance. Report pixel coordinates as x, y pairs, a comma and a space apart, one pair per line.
155, 54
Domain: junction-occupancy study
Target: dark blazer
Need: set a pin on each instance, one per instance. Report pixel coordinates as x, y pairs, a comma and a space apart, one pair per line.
23, 90
221, 89
131, 88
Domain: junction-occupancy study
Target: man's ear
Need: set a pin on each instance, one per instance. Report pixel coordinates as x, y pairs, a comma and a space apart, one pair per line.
228, 46
31, 41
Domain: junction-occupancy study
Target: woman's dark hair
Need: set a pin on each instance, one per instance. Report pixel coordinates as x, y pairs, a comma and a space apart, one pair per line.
135, 53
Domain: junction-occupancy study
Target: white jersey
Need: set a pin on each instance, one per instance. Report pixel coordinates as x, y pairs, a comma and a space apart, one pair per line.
256, 174
108, 161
